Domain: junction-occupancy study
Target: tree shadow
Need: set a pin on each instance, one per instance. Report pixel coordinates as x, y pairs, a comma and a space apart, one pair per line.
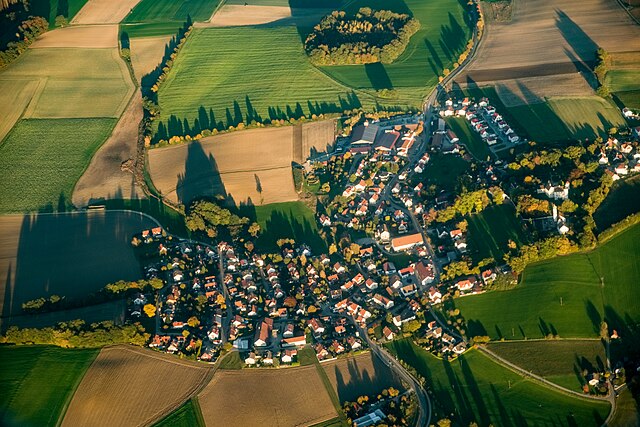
581, 43
378, 76
594, 315
476, 393
201, 177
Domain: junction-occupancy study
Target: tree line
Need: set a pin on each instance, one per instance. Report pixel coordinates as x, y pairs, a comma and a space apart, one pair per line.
366, 37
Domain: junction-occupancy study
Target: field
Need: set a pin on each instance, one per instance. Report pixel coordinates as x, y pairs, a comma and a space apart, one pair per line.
627, 412
621, 202
146, 53
533, 90
49, 9
171, 11
478, 389
249, 166
59, 150
363, 374
37, 383
564, 296
104, 11
231, 15
491, 230
81, 36
293, 396
442, 37
560, 362
141, 384
76, 258
188, 415
624, 78
472, 140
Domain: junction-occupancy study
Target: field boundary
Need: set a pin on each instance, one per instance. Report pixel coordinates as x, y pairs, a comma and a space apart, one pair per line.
63, 410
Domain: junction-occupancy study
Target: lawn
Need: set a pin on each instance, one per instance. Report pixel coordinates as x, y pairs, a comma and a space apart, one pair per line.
286, 220
38, 382
42, 159
232, 361
171, 11
565, 295
559, 361
188, 415
491, 230
445, 170
443, 36
472, 140
475, 388
621, 202
270, 76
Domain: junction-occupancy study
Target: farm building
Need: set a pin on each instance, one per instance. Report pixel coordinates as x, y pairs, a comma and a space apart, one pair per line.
364, 134
406, 242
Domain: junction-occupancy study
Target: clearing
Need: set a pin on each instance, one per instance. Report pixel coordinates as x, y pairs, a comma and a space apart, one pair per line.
71, 260
564, 296
491, 230
264, 396
37, 382
136, 382
253, 164
480, 390
104, 11
559, 361
364, 374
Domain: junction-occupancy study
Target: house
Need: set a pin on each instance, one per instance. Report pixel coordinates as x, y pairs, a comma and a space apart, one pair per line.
251, 359
288, 355
434, 295
488, 276
555, 192
263, 333
300, 341
461, 245
388, 333
408, 290
370, 419
424, 273
466, 284
354, 343
404, 243
386, 141
316, 326
288, 330
325, 221
268, 358
383, 301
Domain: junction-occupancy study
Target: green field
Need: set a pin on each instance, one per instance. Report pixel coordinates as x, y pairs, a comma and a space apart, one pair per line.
188, 415
559, 361
286, 220
561, 119
171, 11
474, 388
49, 9
212, 72
629, 98
37, 383
443, 36
627, 411
472, 140
232, 361
621, 202
623, 80
41, 160
565, 295
491, 230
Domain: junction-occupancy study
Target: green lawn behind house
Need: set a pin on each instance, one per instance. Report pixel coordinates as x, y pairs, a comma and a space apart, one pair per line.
37, 383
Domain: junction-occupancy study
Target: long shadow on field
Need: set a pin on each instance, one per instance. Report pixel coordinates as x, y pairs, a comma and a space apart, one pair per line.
70, 255
463, 405
581, 43
378, 76
280, 225
476, 394
201, 177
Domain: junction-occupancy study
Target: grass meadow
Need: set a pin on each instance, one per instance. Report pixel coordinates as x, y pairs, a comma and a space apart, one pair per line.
38, 382
171, 11
472, 140
621, 202
49, 9
559, 361
474, 388
623, 78
444, 171
567, 296
491, 230
188, 415
42, 159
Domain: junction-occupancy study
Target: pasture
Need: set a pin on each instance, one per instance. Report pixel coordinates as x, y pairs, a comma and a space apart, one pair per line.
249, 166
564, 296
171, 11
359, 375
443, 36
293, 396
188, 415
491, 230
477, 389
76, 258
248, 84
38, 382
559, 361
621, 202
59, 150
143, 385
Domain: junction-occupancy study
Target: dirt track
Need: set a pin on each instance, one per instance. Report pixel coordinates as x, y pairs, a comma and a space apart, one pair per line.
104, 11
266, 397
238, 15
94, 36
128, 386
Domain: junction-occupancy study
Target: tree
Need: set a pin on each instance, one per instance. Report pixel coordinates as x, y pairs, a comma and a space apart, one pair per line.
254, 229
411, 326
149, 310
193, 321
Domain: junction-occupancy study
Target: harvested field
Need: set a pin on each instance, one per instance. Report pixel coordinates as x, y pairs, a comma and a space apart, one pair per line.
103, 36
352, 377
146, 53
76, 258
231, 15
269, 397
549, 37
532, 90
143, 386
253, 164
106, 178
104, 11
15, 95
